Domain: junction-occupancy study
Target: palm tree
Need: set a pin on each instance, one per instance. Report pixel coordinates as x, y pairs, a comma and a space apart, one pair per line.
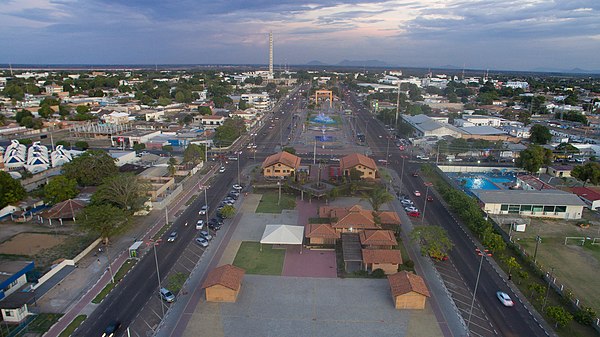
378, 197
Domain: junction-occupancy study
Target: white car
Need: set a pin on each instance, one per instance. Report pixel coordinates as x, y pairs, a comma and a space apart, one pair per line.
200, 224
411, 209
202, 242
203, 210
417, 193
222, 169
504, 299
237, 187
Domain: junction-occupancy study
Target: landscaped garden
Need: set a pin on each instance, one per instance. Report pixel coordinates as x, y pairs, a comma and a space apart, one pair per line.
269, 203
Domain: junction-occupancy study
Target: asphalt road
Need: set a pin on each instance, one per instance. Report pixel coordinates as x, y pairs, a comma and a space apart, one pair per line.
131, 294
515, 321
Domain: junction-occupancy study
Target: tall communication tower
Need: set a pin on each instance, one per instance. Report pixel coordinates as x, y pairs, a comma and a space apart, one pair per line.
271, 54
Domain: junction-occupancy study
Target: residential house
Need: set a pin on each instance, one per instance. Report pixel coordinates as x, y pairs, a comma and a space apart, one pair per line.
588, 195
321, 234
408, 290
282, 164
353, 219
118, 118
223, 284
378, 239
211, 122
365, 165
13, 297
560, 171
387, 260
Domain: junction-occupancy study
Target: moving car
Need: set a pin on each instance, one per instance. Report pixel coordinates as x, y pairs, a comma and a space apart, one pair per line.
417, 193
429, 198
172, 237
110, 330
411, 209
222, 169
414, 214
203, 210
504, 299
200, 224
416, 174
166, 295
202, 242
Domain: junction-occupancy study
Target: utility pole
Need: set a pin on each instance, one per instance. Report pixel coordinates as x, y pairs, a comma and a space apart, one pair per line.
548, 288
238, 167
428, 184
397, 105
538, 239
482, 254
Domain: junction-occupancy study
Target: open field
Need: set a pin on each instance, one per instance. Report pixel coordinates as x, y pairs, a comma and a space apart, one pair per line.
269, 261
30, 243
575, 266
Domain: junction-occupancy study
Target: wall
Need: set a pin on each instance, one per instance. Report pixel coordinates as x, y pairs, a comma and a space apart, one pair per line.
464, 168
269, 171
16, 315
411, 300
219, 293
573, 212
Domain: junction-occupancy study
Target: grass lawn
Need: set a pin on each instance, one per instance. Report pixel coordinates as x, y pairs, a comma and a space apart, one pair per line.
42, 322
72, 326
268, 262
268, 203
118, 277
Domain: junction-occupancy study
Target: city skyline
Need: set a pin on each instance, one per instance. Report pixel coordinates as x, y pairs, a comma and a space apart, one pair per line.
485, 34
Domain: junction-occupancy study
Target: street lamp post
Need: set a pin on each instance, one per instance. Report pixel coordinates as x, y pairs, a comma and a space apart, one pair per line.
402, 172
548, 288
154, 244
238, 167
482, 254
387, 152
206, 202
428, 184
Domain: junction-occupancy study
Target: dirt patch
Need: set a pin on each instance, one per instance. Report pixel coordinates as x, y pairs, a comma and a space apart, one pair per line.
30, 243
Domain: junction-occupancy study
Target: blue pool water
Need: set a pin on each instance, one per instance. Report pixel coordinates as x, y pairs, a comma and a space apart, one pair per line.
478, 184
500, 180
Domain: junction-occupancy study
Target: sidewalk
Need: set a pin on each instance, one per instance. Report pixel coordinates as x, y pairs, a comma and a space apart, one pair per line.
73, 295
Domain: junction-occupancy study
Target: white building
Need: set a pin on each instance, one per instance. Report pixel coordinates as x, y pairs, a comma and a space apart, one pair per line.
211, 122
545, 203
15, 155
260, 102
13, 297
517, 131
517, 85
60, 156
116, 118
426, 126
37, 158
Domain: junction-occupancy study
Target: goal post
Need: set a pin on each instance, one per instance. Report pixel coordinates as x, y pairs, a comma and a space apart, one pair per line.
579, 240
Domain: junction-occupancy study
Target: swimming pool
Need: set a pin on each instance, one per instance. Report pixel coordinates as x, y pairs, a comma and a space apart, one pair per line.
477, 183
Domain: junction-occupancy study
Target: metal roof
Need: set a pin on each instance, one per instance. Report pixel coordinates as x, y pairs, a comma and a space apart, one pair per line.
521, 197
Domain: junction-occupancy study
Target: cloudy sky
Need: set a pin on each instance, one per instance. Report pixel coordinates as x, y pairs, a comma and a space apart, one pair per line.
479, 34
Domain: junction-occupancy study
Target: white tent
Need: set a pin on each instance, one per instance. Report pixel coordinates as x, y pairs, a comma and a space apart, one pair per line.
283, 235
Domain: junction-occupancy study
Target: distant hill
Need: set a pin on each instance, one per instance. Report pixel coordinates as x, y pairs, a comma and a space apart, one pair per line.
316, 63
449, 66
567, 71
364, 63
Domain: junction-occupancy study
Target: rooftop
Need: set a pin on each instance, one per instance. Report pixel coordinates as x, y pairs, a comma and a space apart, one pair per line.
523, 197
391, 256
283, 157
354, 159
226, 275
404, 282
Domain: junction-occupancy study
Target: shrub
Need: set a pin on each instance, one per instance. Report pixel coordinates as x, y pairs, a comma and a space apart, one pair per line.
378, 273
585, 316
409, 264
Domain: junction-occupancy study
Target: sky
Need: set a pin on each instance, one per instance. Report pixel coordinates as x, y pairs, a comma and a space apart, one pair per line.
476, 34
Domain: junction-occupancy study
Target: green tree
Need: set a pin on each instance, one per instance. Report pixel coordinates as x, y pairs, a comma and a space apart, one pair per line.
138, 147
434, 240
589, 171
45, 111
228, 211
124, 190
539, 134
534, 157
493, 241
83, 145
168, 148
231, 129
90, 168
10, 190
585, 315
242, 105
289, 149
377, 197
81, 109
60, 188
512, 264
104, 219
559, 315
194, 154
172, 169
25, 141
566, 148
355, 174
205, 110
164, 101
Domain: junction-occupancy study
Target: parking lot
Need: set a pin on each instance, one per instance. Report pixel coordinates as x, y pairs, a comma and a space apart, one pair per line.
462, 297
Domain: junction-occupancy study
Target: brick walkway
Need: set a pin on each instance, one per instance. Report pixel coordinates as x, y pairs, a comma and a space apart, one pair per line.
309, 263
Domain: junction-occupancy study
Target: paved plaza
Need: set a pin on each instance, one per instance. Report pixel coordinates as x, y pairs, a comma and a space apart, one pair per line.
299, 306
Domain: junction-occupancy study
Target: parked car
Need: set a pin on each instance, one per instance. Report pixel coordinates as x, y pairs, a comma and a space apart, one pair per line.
411, 209
414, 214
442, 258
214, 226
166, 295
504, 299
112, 327
417, 193
202, 242
206, 235
172, 237
237, 187
200, 224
